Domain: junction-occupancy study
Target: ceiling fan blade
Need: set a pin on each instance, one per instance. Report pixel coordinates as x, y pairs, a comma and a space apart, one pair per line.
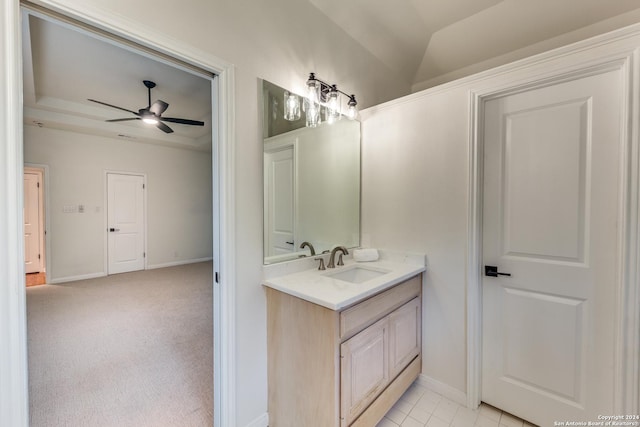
164, 128
182, 121
123, 120
113, 106
158, 107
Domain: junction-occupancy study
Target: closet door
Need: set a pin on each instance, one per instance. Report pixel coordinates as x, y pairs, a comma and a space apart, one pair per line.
552, 204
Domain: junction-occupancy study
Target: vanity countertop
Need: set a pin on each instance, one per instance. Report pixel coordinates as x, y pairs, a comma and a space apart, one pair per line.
317, 287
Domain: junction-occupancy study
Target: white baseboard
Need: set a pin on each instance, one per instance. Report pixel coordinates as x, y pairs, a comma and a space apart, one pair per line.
175, 263
443, 389
103, 274
76, 278
261, 421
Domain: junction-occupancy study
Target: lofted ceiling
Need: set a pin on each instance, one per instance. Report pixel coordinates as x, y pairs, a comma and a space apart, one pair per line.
421, 40
64, 67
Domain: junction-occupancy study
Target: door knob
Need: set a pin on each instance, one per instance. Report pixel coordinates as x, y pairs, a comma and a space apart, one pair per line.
289, 243
492, 271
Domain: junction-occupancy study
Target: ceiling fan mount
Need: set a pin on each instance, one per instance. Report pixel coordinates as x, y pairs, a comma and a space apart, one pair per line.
152, 113
149, 84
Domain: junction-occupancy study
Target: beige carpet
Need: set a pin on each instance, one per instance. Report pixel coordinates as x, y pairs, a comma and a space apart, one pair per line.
132, 349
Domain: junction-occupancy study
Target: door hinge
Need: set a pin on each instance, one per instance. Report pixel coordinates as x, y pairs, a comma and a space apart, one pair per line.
38, 256
217, 278
143, 186
38, 184
144, 254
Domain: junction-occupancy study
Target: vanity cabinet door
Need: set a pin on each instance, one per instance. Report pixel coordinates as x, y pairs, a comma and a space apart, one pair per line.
364, 368
404, 336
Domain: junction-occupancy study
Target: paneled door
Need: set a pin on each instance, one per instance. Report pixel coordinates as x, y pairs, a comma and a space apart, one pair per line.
364, 364
125, 218
551, 204
404, 336
33, 222
279, 216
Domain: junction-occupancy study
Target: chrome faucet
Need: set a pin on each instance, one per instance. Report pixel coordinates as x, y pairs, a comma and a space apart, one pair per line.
308, 245
342, 249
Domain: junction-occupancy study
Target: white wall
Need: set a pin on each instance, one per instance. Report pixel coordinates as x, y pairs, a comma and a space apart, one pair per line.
414, 198
280, 41
179, 198
416, 189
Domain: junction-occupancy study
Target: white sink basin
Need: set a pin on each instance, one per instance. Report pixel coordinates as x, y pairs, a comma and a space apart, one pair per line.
357, 274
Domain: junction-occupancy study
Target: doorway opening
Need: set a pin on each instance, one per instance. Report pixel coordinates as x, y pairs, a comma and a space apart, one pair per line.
508, 285
34, 226
74, 204
13, 359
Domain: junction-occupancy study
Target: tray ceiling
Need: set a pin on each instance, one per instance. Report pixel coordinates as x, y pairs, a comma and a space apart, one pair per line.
63, 67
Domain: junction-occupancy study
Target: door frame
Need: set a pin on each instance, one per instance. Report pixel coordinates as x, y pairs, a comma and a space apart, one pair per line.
559, 66
106, 214
14, 401
44, 209
273, 145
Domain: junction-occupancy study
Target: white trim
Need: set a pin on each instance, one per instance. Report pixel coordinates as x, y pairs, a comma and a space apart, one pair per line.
14, 401
627, 369
224, 295
42, 219
601, 59
443, 389
176, 263
474, 257
13, 364
47, 216
76, 278
261, 421
104, 274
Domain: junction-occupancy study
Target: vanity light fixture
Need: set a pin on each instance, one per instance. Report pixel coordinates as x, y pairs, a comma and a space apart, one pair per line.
321, 95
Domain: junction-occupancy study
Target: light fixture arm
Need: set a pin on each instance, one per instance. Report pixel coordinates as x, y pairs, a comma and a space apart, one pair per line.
325, 88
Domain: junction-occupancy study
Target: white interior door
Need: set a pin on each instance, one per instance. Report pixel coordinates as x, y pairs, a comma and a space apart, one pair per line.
126, 227
551, 204
32, 223
279, 171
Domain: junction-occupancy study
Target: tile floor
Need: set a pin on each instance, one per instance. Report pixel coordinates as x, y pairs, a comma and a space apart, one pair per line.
420, 407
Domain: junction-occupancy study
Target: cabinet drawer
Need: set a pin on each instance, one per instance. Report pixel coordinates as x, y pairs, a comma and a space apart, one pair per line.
358, 317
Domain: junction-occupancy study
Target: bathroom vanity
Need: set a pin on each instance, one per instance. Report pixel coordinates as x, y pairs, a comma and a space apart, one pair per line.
344, 344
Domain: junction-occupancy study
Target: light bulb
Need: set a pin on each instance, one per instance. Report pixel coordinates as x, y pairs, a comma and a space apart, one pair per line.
312, 113
352, 110
150, 120
291, 106
312, 91
333, 105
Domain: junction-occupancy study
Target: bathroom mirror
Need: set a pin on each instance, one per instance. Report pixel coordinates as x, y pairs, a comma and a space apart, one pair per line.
311, 182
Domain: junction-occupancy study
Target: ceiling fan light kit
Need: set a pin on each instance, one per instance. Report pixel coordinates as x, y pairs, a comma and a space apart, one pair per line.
152, 114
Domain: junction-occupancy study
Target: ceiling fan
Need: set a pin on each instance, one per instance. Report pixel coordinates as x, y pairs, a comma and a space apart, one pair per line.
152, 114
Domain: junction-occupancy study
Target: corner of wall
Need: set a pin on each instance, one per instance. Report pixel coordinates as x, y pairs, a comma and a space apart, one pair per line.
261, 421
444, 389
